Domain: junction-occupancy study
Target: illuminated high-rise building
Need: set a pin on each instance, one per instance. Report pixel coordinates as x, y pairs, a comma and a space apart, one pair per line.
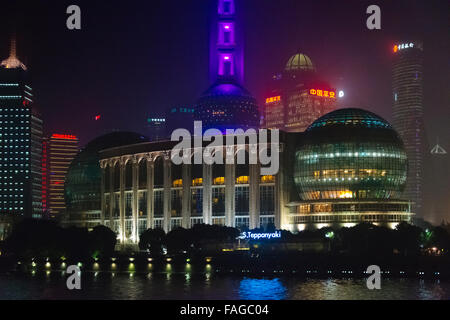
226, 104
407, 97
58, 152
297, 96
20, 145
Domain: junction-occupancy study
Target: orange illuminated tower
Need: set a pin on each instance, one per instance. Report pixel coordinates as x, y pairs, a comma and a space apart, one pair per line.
58, 152
297, 96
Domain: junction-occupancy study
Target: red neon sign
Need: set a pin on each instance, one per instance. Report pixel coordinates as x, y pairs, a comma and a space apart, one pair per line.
64, 136
273, 99
322, 93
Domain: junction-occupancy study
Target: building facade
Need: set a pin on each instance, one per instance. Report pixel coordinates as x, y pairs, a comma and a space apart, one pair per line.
20, 145
297, 96
83, 179
58, 152
407, 94
142, 188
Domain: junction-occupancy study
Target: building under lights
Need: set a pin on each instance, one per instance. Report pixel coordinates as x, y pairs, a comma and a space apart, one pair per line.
20, 145
297, 96
351, 167
348, 167
57, 154
226, 104
407, 97
82, 187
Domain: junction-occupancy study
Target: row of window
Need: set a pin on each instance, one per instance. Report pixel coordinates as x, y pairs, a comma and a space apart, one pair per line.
267, 202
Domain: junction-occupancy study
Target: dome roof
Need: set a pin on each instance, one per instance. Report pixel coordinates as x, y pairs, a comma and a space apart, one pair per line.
299, 62
350, 117
83, 179
227, 105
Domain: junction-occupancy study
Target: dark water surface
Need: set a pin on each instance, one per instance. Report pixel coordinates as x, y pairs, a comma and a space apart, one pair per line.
179, 285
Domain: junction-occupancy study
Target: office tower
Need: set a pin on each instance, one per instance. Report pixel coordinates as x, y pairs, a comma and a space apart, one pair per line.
58, 152
407, 94
20, 145
297, 96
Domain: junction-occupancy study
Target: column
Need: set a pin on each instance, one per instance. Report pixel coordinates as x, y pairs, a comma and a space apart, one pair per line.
150, 202
111, 194
167, 194
122, 199
254, 195
102, 193
207, 193
186, 204
230, 179
281, 194
134, 198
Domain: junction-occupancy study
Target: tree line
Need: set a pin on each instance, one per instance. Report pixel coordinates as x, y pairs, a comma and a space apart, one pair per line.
42, 238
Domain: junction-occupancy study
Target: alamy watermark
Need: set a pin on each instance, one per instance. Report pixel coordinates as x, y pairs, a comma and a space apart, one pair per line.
190, 148
374, 280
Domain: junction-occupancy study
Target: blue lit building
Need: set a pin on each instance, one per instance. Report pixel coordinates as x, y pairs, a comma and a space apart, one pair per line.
20, 145
226, 104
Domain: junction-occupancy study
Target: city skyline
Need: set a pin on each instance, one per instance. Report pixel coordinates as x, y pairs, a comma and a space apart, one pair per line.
225, 149
181, 43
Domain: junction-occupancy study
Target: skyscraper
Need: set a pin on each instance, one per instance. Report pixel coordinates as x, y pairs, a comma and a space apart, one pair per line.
58, 152
20, 145
226, 104
297, 96
407, 94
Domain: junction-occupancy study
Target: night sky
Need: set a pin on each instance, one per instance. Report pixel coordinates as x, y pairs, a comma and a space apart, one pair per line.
138, 58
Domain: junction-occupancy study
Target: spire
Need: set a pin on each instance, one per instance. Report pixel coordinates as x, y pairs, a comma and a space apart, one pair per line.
437, 149
12, 61
12, 52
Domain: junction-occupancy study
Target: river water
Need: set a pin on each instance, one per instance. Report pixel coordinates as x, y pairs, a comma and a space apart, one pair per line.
187, 285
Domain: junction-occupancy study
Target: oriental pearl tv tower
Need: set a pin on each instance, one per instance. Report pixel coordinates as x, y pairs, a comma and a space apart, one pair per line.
226, 104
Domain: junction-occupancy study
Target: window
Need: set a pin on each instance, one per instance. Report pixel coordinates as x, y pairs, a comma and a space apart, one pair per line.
142, 204
158, 203
196, 202
267, 200
241, 200
218, 201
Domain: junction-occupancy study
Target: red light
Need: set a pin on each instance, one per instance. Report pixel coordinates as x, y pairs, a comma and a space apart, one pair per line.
97, 117
322, 93
395, 48
64, 136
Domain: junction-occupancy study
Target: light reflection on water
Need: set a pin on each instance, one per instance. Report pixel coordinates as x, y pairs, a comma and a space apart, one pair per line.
208, 285
261, 289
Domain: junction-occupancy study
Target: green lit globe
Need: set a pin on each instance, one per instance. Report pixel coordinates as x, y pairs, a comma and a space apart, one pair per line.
350, 154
